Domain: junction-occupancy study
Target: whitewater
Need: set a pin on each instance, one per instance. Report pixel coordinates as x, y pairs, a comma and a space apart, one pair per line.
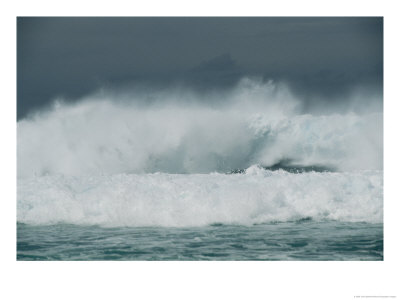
177, 200
217, 167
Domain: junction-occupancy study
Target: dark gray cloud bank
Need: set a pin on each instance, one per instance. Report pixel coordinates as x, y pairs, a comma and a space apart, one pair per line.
321, 59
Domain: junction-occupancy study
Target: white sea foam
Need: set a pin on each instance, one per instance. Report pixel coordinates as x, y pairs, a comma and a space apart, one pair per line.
112, 161
256, 123
199, 199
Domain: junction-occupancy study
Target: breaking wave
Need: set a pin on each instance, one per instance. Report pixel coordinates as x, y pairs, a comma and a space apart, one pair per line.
177, 132
176, 158
160, 199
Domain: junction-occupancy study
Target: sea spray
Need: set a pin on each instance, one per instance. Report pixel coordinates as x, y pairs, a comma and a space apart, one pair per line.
247, 173
256, 123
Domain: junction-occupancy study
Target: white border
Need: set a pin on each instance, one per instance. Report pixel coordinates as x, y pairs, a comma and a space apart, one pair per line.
197, 280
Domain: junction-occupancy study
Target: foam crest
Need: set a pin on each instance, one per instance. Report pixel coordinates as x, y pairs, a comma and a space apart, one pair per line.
161, 199
182, 132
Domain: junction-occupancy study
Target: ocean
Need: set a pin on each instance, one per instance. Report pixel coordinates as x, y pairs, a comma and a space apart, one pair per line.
299, 240
254, 178
255, 215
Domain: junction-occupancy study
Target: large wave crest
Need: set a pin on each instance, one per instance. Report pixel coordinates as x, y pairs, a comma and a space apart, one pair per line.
175, 132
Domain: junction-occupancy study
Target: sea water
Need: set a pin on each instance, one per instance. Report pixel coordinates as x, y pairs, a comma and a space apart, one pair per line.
255, 215
297, 240
254, 177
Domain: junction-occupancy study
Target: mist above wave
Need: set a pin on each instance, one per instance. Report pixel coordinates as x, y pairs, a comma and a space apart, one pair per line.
175, 132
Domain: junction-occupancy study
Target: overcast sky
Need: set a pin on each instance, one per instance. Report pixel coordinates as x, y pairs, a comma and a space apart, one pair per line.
72, 57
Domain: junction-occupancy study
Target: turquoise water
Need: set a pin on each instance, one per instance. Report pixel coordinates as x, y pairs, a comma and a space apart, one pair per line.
302, 240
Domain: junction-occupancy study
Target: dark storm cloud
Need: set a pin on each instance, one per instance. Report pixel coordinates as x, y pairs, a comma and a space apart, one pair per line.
219, 71
70, 57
